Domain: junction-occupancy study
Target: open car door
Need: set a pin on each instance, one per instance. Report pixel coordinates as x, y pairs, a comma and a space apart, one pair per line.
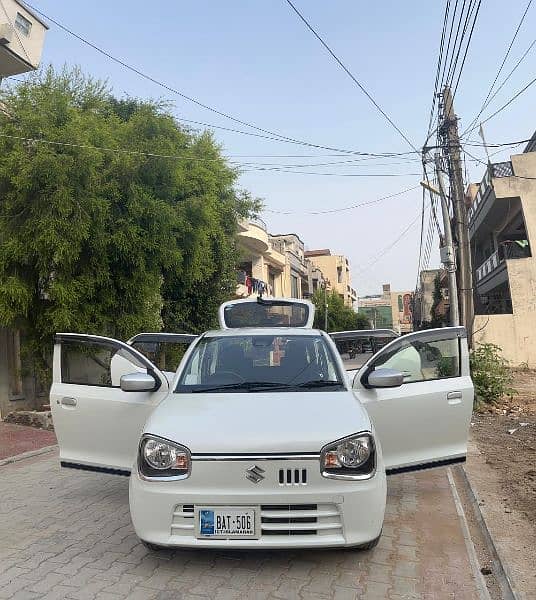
103, 391
419, 395
164, 350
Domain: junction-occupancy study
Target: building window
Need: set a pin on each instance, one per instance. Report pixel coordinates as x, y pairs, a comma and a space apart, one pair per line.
294, 290
23, 25
339, 274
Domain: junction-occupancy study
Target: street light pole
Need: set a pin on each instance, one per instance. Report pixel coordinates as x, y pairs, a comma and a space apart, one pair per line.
325, 308
447, 250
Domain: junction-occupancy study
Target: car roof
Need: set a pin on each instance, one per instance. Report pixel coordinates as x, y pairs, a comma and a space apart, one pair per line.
247, 331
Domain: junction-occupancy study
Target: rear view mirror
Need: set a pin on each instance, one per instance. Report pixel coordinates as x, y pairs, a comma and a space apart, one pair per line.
385, 378
138, 382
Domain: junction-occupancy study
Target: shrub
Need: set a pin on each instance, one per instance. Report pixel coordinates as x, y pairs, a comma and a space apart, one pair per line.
491, 374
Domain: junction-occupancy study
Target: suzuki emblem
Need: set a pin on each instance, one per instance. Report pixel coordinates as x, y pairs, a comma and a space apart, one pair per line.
255, 474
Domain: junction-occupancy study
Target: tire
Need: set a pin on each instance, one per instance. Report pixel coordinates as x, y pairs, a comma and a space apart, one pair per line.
153, 547
369, 545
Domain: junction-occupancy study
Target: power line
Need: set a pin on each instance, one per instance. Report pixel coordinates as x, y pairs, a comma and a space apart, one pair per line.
466, 50
507, 54
174, 90
383, 252
285, 170
251, 166
344, 208
523, 90
438, 69
350, 74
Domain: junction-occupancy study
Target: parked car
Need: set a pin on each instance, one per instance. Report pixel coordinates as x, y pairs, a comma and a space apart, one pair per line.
259, 440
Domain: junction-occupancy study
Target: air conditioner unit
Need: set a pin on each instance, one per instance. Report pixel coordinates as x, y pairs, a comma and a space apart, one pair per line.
6, 33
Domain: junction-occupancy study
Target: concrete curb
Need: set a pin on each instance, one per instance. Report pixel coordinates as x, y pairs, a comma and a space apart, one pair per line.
30, 454
502, 570
479, 578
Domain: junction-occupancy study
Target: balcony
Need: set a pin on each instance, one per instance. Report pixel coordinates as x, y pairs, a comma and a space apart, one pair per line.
494, 171
253, 235
492, 271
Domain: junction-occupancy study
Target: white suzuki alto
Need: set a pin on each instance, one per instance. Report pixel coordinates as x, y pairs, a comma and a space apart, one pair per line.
260, 440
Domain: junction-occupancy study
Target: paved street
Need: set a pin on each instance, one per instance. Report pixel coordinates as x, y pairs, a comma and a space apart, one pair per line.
16, 439
67, 534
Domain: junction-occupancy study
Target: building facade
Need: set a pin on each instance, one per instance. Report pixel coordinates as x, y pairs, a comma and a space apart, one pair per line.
502, 230
425, 310
389, 310
336, 270
22, 35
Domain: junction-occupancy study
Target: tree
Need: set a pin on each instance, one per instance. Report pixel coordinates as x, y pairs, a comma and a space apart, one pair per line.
109, 241
437, 320
340, 316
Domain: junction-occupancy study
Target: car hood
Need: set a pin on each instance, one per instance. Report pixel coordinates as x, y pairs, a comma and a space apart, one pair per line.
258, 422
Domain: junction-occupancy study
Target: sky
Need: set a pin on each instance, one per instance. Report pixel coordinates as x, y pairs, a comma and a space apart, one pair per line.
255, 60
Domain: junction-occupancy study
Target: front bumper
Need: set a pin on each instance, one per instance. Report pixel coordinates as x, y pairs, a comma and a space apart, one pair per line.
319, 512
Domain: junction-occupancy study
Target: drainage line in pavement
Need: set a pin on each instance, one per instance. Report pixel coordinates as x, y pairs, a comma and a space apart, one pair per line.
479, 578
501, 570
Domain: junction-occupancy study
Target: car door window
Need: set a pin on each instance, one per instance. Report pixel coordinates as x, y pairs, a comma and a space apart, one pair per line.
96, 364
423, 360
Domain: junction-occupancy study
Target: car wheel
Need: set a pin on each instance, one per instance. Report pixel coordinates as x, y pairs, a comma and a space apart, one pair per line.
369, 545
153, 547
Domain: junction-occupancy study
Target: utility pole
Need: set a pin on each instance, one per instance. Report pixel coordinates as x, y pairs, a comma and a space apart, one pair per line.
448, 131
447, 247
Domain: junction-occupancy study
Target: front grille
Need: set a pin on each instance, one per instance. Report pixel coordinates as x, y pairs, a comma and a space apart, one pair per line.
276, 520
182, 522
292, 476
300, 519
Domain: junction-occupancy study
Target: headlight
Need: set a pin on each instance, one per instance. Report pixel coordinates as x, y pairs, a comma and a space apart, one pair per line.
353, 457
160, 458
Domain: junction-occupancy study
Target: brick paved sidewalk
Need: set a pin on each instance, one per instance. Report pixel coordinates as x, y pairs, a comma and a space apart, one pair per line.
67, 534
17, 439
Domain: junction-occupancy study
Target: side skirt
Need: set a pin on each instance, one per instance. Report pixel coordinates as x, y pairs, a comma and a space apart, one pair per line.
429, 465
81, 467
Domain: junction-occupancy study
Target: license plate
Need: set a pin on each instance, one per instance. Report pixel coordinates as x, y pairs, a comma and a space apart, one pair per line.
226, 522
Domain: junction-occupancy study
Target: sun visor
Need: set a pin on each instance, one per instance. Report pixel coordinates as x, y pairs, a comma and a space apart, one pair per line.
269, 312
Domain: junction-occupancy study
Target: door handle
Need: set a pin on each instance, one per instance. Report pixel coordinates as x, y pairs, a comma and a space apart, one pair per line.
454, 397
68, 401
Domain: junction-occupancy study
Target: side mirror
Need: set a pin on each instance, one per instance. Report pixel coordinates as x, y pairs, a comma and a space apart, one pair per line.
385, 378
138, 382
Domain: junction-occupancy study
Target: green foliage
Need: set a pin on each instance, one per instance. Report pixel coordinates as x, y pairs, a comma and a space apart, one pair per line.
491, 374
109, 242
340, 316
437, 297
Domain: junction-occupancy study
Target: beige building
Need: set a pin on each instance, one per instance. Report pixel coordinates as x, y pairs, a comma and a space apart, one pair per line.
502, 230
274, 264
388, 310
423, 304
22, 34
336, 270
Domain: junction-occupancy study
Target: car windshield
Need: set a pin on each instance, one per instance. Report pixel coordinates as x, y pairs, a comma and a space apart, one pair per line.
260, 363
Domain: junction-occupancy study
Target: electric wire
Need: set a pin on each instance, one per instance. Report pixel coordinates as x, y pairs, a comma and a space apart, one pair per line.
250, 166
466, 50
505, 105
499, 71
169, 88
438, 69
342, 209
350, 74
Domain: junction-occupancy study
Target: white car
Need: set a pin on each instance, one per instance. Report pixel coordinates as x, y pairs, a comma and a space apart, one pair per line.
260, 441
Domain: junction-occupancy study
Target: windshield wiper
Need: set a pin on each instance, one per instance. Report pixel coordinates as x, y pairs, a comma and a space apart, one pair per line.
244, 385
317, 383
